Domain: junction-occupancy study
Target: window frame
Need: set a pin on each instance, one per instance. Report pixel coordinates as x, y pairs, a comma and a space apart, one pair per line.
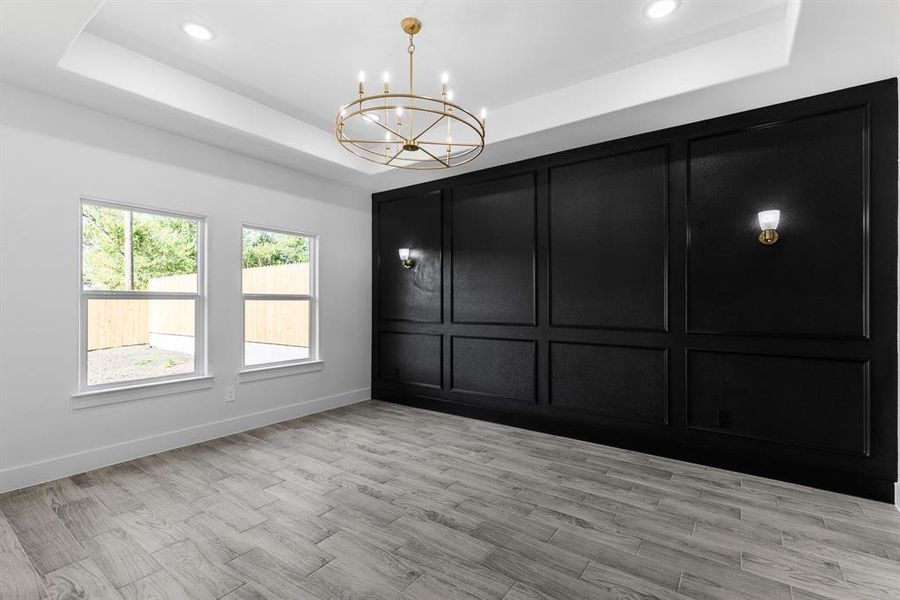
199, 297
312, 298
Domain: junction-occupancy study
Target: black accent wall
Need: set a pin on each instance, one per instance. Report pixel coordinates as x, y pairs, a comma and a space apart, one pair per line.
617, 293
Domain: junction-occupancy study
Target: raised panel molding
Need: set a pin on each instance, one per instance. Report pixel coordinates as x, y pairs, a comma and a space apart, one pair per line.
609, 242
623, 382
494, 240
814, 280
794, 400
496, 368
413, 295
410, 358
617, 293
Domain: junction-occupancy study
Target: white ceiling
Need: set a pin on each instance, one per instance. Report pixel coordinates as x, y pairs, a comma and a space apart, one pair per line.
302, 58
552, 74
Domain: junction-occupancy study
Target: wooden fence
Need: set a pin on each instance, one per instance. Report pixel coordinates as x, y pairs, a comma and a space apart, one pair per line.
277, 321
277, 279
114, 323
173, 317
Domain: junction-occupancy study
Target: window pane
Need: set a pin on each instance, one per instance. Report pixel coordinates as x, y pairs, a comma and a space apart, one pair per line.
275, 330
275, 263
138, 339
163, 254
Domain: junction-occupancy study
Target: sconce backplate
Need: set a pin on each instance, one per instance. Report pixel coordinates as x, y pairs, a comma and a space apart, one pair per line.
768, 236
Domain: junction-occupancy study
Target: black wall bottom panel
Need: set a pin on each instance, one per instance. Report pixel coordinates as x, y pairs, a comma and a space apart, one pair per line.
799, 401
617, 381
410, 358
617, 293
498, 369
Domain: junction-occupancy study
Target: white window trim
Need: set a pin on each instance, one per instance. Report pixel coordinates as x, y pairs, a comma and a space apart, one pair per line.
281, 368
158, 385
269, 371
126, 393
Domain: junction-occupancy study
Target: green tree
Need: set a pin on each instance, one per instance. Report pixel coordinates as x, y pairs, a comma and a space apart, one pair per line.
265, 248
161, 246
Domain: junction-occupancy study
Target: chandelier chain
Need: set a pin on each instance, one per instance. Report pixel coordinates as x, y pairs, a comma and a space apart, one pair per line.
411, 50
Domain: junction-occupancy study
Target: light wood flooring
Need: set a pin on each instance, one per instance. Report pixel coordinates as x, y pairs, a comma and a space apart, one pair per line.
381, 501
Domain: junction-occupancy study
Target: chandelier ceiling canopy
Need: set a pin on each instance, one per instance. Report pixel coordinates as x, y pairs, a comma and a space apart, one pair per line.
409, 130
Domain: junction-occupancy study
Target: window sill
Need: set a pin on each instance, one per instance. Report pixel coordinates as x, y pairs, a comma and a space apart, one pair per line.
126, 393
268, 372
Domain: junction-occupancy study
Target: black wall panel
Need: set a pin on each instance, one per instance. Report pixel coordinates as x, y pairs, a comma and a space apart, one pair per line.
617, 381
410, 358
612, 206
813, 281
493, 233
801, 401
618, 293
501, 369
410, 294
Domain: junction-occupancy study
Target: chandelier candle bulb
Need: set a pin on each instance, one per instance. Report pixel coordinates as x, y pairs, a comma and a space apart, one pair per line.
362, 83
386, 78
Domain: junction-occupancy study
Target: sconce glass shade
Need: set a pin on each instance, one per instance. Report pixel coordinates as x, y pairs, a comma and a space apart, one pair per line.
404, 253
768, 219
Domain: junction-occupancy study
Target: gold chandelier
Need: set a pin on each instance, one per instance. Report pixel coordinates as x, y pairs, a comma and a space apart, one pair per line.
409, 130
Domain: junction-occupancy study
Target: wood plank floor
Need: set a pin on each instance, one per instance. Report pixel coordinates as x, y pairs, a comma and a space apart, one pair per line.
381, 501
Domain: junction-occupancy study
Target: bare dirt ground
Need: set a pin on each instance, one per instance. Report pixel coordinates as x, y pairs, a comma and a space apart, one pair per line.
127, 363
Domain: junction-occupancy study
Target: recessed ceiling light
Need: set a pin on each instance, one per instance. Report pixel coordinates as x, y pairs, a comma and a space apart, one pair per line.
197, 31
661, 8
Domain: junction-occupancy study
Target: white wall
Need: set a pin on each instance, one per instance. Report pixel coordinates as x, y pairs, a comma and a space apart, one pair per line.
51, 153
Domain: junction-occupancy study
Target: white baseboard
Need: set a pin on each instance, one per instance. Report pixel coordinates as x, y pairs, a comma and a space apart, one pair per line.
43, 471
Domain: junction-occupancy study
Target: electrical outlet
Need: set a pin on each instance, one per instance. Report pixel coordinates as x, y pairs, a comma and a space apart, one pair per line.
230, 393
723, 419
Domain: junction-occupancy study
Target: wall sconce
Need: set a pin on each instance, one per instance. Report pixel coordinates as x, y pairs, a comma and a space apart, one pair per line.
405, 260
768, 222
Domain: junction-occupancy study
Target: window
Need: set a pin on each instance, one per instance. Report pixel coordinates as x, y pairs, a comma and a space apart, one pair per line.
279, 293
142, 296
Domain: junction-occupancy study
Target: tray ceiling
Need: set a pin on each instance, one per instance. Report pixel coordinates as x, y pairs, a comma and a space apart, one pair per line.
552, 74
